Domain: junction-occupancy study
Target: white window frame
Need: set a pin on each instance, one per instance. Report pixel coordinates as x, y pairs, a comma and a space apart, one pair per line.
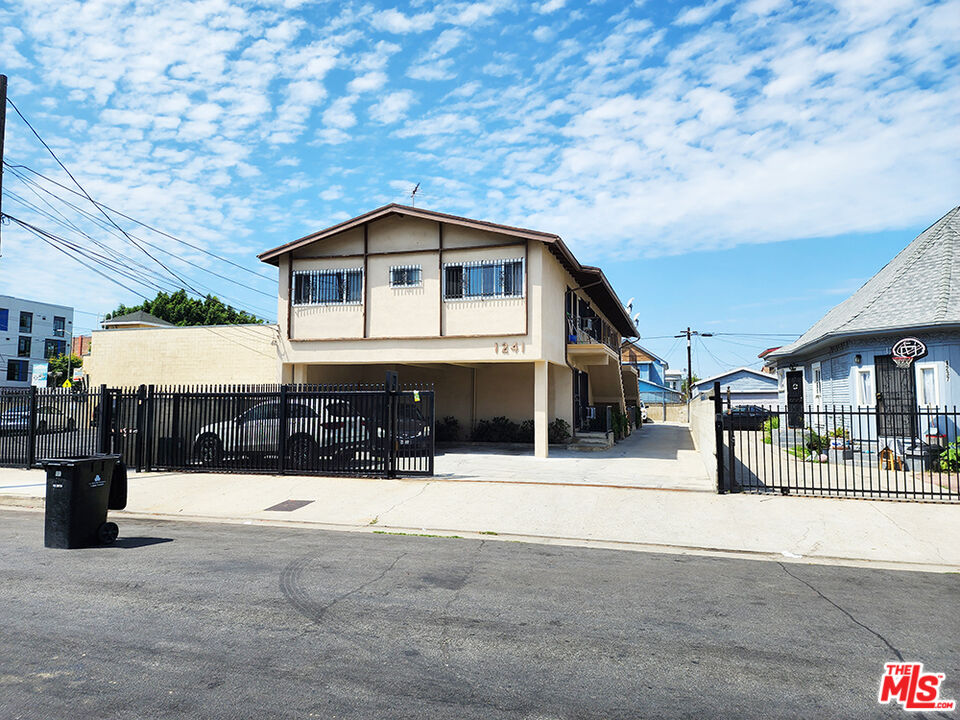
858, 386
419, 268
473, 263
816, 381
922, 400
342, 300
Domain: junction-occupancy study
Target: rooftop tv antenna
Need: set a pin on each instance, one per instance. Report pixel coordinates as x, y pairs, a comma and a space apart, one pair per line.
413, 195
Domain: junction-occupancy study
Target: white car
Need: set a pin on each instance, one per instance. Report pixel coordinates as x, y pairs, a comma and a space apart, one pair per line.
643, 411
315, 428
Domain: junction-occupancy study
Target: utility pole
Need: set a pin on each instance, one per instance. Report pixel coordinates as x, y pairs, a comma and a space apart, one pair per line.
3, 123
689, 334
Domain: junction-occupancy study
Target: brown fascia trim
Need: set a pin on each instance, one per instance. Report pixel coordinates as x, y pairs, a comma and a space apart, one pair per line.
271, 256
610, 305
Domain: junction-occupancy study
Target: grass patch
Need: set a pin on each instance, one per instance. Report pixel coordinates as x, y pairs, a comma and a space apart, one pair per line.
488, 532
385, 532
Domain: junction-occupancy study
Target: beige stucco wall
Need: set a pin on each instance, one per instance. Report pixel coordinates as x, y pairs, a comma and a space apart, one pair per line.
407, 323
230, 354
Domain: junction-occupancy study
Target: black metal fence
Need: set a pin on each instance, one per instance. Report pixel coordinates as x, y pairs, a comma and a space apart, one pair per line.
839, 451
360, 430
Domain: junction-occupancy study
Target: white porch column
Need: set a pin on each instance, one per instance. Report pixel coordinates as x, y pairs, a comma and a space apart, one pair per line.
541, 406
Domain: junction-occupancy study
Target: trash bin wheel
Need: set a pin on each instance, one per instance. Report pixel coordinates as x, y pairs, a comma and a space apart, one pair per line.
108, 533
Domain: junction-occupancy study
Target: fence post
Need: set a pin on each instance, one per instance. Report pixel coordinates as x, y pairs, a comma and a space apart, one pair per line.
148, 440
282, 425
106, 418
718, 439
139, 423
391, 386
32, 429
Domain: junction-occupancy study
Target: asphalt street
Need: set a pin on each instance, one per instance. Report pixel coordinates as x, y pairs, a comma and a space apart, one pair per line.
229, 621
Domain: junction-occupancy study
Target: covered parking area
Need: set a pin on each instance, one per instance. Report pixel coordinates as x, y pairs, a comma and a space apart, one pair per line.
467, 392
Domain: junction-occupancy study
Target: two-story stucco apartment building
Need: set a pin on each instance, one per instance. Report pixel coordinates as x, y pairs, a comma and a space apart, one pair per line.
504, 321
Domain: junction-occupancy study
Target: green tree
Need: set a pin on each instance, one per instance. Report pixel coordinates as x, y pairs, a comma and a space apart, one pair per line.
181, 309
60, 367
683, 386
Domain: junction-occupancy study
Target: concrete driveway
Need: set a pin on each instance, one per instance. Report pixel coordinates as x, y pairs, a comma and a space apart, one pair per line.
661, 455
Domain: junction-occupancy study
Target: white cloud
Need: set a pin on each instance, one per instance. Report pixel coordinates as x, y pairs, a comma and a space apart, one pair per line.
340, 114
373, 80
396, 22
551, 6
392, 107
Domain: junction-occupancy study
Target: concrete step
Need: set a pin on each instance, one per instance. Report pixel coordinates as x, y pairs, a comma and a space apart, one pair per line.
591, 441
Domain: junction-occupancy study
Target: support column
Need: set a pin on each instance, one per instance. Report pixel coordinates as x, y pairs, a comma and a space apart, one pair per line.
541, 406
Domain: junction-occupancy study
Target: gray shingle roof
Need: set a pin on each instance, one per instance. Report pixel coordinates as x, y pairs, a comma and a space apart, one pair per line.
138, 316
920, 287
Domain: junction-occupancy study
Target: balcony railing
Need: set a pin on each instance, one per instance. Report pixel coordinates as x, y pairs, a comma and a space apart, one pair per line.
591, 331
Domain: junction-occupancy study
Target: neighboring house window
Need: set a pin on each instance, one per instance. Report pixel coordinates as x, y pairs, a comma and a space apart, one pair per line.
59, 325
26, 323
52, 348
406, 276
863, 377
491, 278
23, 347
328, 287
4, 318
817, 373
17, 370
928, 390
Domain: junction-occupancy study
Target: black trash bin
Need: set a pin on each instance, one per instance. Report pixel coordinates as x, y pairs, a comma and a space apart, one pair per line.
80, 490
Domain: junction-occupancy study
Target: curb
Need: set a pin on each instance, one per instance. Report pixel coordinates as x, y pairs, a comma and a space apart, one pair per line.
26, 504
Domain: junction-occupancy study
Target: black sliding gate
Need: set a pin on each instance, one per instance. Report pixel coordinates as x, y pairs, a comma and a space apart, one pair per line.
892, 451
358, 430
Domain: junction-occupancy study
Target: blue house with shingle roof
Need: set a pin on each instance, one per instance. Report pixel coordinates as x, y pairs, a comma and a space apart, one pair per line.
847, 358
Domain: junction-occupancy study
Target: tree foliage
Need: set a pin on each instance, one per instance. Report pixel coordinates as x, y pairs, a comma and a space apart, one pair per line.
59, 367
181, 309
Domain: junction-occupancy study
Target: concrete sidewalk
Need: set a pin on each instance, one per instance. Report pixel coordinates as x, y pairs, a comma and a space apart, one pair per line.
889, 534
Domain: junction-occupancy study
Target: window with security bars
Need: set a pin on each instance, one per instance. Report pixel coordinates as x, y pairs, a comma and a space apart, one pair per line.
494, 278
406, 276
328, 287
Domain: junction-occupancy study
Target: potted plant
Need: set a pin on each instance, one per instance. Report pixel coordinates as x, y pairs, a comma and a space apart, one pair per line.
840, 447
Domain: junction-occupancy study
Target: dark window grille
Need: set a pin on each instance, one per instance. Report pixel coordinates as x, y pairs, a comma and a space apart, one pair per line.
408, 276
495, 278
23, 347
328, 287
26, 322
59, 325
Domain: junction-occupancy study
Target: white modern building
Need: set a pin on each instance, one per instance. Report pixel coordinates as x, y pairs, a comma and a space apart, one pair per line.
30, 333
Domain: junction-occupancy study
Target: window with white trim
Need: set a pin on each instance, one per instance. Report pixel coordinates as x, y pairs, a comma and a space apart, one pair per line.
485, 278
403, 276
328, 287
863, 379
928, 386
817, 374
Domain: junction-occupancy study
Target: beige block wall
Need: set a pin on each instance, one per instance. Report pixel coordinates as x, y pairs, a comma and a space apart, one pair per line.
227, 354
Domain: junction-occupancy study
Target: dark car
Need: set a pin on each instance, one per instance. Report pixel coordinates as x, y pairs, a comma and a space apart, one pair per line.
746, 417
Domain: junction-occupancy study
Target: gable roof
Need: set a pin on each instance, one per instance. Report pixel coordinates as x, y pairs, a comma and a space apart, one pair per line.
137, 317
642, 349
589, 278
766, 376
918, 289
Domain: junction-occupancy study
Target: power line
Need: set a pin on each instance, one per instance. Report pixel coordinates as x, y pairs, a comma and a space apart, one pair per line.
94, 202
147, 226
184, 260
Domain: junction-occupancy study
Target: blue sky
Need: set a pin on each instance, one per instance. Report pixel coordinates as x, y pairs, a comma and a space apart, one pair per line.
734, 166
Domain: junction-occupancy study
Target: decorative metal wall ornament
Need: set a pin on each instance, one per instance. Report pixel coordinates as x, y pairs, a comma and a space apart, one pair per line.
907, 350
